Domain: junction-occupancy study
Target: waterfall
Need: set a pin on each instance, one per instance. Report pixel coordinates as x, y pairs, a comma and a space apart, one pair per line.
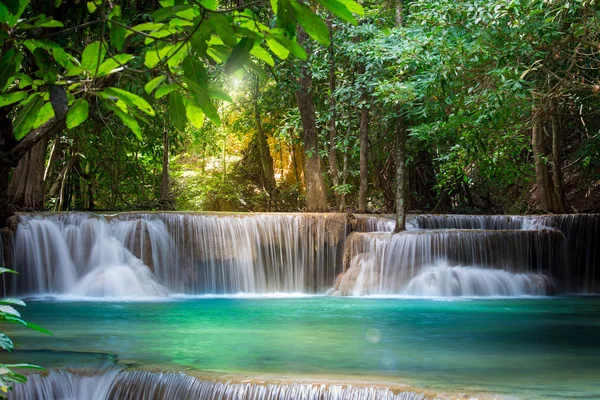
78, 254
152, 254
443, 280
113, 384
382, 263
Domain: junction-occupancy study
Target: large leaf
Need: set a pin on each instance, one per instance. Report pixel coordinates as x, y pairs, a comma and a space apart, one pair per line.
239, 55
46, 112
177, 111
92, 55
7, 271
27, 115
165, 90
260, 53
340, 10
113, 64
78, 113
10, 311
12, 302
312, 23
117, 32
194, 113
194, 69
285, 16
203, 101
9, 65
224, 29
277, 48
10, 98
128, 120
131, 99
163, 13
291, 45
153, 84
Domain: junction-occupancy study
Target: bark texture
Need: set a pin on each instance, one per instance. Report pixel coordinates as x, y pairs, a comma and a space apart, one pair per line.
26, 189
266, 160
315, 187
364, 155
545, 188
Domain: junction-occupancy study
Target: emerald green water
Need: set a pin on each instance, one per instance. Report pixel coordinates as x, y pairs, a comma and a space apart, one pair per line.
529, 348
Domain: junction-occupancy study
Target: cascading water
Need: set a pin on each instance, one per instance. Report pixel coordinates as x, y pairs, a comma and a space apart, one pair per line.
78, 254
148, 255
502, 256
446, 281
113, 384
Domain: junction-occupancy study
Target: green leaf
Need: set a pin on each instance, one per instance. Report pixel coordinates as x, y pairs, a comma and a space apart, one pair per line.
194, 69
224, 29
210, 4
117, 33
78, 113
153, 84
164, 90
25, 366
203, 100
7, 271
218, 94
340, 10
260, 53
37, 328
352, 6
194, 113
129, 121
131, 99
91, 6
46, 112
239, 55
163, 13
12, 6
27, 115
285, 16
292, 46
10, 98
312, 23
9, 65
13, 302
108, 66
5, 342
92, 55
12, 19
9, 310
177, 111
280, 50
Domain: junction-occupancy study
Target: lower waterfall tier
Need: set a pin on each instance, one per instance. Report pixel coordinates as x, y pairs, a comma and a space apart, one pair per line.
146, 385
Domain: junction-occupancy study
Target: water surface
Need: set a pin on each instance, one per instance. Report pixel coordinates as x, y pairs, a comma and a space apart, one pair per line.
528, 347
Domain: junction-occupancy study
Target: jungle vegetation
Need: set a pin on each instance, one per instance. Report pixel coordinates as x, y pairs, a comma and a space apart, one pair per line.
287, 105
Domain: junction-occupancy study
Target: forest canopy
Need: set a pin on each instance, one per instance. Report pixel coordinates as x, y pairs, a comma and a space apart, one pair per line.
287, 105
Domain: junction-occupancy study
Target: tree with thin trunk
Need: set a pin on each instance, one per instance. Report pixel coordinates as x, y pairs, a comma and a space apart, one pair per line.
315, 187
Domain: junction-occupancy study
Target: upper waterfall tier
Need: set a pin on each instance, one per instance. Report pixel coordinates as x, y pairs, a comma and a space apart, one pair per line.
85, 254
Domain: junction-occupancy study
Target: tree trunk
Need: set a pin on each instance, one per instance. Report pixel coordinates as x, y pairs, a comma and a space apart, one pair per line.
166, 201
546, 195
557, 163
401, 170
315, 187
364, 155
266, 160
401, 176
26, 189
333, 168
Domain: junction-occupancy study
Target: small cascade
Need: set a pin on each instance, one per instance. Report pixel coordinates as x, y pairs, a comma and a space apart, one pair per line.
382, 263
445, 281
67, 385
78, 254
113, 384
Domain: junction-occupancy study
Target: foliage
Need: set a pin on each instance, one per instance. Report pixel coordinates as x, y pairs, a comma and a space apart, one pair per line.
9, 315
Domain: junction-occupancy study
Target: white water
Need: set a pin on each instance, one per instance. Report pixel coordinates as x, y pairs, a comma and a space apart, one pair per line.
145, 385
139, 256
445, 281
80, 256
